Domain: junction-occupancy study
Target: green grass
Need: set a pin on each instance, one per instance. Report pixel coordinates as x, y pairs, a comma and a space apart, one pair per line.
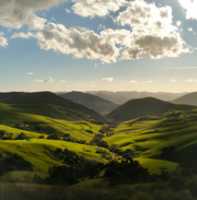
82, 131
41, 154
13, 133
156, 166
149, 139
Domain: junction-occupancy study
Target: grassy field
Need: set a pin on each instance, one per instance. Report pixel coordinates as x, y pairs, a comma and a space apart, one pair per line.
42, 154
34, 144
79, 131
158, 143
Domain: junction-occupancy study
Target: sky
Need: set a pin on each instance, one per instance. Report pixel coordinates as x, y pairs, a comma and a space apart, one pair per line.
116, 45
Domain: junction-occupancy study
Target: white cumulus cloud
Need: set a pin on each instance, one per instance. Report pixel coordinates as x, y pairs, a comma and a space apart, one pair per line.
78, 42
153, 33
190, 7
15, 13
3, 41
92, 8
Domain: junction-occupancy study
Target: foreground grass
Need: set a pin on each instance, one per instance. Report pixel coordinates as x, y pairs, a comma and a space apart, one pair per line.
42, 155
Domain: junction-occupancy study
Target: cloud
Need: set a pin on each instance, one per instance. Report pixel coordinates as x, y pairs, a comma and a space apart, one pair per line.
133, 81
30, 73
178, 23
148, 81
190, 29
108, 79
190, 7
50, 81
153, 33
173, 80
191, 80
16, 13
78, 42
3, 41
22, 35
92, 8
46, 81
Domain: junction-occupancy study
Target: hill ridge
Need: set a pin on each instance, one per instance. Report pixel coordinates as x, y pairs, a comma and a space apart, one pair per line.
144, 107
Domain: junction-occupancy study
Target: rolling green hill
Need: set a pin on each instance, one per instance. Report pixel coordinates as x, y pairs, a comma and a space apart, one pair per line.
158, 142
144, 107
33, 146
32, 124
33, 159
90, 101
49, 104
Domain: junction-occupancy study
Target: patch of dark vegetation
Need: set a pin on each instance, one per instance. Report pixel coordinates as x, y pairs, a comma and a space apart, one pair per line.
12, 162
74, 169
125, 171
179, 186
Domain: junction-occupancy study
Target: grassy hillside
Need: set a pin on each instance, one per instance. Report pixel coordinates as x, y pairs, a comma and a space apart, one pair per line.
25, 160
157, 143
90, 101
32, 145
144, 107
34, 125
49, 104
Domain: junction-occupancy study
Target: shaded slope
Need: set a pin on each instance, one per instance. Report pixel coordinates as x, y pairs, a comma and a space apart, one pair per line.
49, 104
90, 101
189, 99
144, 107
124, 96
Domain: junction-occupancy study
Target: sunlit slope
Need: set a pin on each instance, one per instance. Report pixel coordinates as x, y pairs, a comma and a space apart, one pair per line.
27, 160
31, 145
10, 133
49, 104
73, 130
172, 137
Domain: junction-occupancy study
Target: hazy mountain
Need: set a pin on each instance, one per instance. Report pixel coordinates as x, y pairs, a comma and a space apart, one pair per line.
189, 99
123, 97
144, 107
91, 101
49, 104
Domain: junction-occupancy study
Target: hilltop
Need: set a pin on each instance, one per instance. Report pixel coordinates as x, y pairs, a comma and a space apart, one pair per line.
124, 96
144, 107
90, 101
188, 99
49, 104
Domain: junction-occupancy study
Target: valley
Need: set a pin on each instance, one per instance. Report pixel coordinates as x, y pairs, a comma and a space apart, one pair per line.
49, 143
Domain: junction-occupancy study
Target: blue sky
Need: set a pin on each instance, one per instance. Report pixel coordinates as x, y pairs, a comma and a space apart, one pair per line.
33, 63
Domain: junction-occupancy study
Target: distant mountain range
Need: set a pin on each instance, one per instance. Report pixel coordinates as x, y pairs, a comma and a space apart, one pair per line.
189, 99
89, 107
49, 104
90, 101
123, 97
144, 107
